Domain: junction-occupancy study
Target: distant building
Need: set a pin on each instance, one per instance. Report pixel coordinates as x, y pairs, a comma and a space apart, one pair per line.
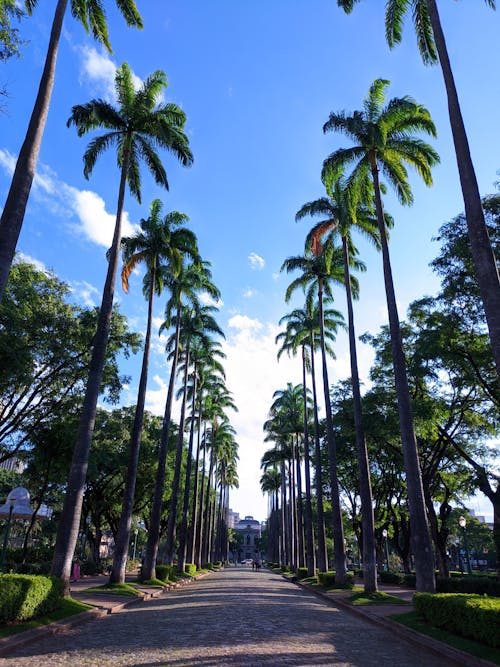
251, 532
232, 518
14, 464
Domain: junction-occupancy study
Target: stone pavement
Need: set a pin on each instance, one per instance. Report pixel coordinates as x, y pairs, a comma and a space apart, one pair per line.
234, 617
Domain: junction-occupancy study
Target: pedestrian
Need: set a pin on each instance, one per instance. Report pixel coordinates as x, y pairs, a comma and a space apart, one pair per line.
75, 570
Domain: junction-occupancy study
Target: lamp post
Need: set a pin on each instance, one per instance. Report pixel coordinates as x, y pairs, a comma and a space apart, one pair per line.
135, 543
384, 534
462, 522
16, 507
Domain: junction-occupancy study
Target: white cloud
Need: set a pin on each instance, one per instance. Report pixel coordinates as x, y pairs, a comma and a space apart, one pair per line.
207, 300
248, 293
98, 70
7, 161
244, 323
31, 260
256, 262
85, 292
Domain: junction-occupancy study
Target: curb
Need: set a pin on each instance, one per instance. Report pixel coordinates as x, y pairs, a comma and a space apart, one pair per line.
453, 655
9, 644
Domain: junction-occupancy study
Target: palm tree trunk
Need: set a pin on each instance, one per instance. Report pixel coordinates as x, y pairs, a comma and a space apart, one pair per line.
308, 517
24, 173
148, 570
191, 553
67, 533
201, 513
301, 556
482, 252
123, 535
181, 556
207, 532
174, 498
285, 551
421, 540
322, 551
338, 529
365, 489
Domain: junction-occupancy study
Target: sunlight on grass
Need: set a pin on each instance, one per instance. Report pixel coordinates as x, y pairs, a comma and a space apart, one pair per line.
128, 590
362, 598
68, 608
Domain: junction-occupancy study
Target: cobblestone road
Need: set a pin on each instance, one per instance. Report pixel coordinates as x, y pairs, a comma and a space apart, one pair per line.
234, 617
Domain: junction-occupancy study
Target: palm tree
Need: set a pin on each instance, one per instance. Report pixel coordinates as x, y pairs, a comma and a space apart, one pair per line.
384, 140
159, 241
184, 289
318, 272
137, 129
432, 45
91, 16
270, 483
339, 217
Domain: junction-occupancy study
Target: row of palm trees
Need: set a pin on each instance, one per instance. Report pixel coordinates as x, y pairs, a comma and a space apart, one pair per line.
384, 141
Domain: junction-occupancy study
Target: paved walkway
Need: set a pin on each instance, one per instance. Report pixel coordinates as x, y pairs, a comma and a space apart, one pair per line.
233, 617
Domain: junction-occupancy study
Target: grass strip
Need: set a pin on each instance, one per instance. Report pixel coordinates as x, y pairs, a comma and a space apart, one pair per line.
127, 590
379, 597
68, 608
413, 621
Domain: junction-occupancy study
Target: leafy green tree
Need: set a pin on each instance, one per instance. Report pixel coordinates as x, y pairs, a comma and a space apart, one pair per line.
44, 354
432, 46
385, 140
137, 129
160, 244
10, 42
91, 15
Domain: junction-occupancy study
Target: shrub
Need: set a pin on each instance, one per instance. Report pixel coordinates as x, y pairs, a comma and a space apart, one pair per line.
327, 579
190, 568
301, 572
90, 567
391, 577
471, 616
166, 572
410, 580
469, 584
25, 596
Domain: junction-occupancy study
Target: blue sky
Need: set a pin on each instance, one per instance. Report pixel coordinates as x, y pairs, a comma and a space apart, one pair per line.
257, 81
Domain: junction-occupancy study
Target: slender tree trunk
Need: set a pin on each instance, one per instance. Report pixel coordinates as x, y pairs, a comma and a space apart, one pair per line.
482, 252
293, 512
207, 544
191, 553
148, 570
365, 489
285, 551
123, 536
322, 551
338, 529
67, 533
24, 172
174, 498
308, 517
421, 540
301, 556
200, 524
181, 556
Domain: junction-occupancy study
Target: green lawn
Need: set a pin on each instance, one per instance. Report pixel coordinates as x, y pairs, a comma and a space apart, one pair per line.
362, 598
68, 608
127, 590
413, 621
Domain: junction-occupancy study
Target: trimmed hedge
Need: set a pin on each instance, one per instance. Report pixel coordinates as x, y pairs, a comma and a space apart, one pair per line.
469, 584
472, 616
25, 596
190, 568
391, 577
328, 579
166, 572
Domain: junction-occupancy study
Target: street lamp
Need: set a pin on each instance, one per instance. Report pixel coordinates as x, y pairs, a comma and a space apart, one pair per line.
384, 534
17, 506
462, 522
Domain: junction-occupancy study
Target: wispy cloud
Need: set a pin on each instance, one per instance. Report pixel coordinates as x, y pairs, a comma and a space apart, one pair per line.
244, 323
86, 293
32, 260
256, 262
248, 293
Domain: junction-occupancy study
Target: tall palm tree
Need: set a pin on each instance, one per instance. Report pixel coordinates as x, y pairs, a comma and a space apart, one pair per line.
270, 483
432, 45
339, 217
91, 15
384, 140
292, 340
318, 272
184, 289
137, 128
160, 244
304, 325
